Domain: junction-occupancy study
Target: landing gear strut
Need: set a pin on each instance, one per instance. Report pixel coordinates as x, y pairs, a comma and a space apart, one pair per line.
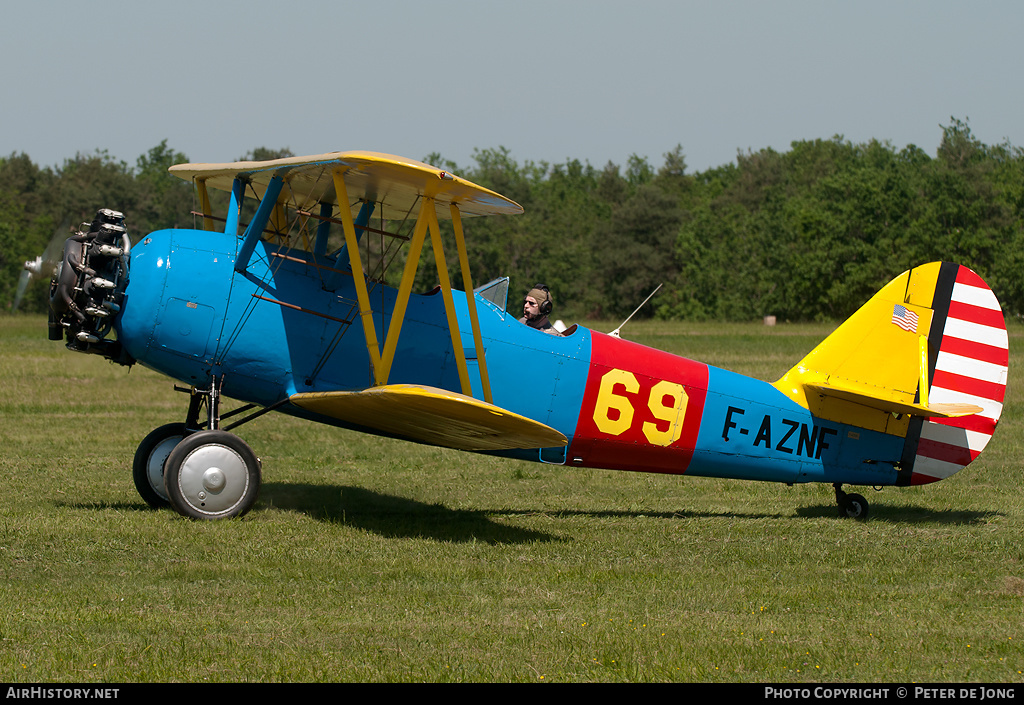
199, 469
853, 506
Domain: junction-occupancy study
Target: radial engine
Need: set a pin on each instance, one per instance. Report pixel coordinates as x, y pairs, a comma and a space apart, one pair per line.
87, 291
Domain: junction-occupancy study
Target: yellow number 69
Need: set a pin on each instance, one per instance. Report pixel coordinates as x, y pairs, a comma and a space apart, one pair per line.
609, 401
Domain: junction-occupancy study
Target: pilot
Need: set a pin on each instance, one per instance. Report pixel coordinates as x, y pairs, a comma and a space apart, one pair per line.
536, 307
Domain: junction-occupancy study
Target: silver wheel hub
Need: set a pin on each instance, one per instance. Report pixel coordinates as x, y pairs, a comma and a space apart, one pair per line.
213, 478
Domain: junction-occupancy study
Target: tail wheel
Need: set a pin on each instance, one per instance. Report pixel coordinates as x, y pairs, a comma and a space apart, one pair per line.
212, 475
148, 466
852, 506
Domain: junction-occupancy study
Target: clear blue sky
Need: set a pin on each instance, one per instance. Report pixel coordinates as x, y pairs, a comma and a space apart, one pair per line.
548, 79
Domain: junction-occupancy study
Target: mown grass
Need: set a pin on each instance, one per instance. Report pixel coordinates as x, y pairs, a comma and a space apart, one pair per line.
373, 560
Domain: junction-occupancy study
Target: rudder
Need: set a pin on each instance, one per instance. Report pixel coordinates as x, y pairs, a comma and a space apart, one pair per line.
969, 364
925, 359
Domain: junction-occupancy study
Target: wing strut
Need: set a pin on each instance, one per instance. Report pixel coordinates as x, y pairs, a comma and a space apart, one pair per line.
255, 228
204, 203
467, 284
352, 245
426, 221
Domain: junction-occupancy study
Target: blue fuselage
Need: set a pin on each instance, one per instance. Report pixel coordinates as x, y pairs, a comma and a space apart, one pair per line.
287, 326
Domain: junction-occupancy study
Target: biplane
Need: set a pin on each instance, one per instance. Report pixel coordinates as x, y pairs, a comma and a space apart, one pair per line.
290, 313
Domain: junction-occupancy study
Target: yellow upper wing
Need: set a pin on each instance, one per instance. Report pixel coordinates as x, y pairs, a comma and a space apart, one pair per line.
395, 183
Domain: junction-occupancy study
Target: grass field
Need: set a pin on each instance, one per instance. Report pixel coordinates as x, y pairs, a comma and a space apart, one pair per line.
374, 560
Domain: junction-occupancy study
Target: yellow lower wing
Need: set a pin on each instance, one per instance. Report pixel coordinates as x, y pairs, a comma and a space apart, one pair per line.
434, 416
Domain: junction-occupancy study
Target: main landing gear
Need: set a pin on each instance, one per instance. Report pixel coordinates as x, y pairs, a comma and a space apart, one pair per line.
197, 468
851, 505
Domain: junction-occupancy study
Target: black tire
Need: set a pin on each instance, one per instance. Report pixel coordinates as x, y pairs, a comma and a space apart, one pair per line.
148, 466
212, 475
854, 506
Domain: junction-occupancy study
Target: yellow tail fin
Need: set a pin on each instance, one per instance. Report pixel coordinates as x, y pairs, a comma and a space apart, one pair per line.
925, 358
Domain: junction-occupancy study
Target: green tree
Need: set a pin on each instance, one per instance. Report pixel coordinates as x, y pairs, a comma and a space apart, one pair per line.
89, 182
808, 233
637, 250
165, 201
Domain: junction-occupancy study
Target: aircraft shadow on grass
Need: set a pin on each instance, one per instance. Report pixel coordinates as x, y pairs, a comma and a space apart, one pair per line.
910, 515
400, 517
391, 515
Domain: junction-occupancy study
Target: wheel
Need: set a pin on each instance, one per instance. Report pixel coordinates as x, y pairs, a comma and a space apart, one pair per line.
212, 475
854, 506
148, 466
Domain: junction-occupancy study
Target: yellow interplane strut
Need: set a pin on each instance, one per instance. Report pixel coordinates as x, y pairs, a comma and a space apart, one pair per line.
204, 204
404, 291
467, 285
426, 221
363, 297
446, 292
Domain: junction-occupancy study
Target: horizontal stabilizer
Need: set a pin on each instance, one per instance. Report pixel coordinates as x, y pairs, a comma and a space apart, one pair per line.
433, 416
891, 405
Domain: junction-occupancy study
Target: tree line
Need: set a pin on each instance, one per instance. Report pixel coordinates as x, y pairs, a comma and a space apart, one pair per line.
806, 234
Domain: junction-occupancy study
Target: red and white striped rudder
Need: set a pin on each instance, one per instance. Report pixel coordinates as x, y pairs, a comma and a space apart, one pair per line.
969, 364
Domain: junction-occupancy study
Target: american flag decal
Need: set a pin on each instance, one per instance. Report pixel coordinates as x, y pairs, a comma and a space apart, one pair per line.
904, 318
